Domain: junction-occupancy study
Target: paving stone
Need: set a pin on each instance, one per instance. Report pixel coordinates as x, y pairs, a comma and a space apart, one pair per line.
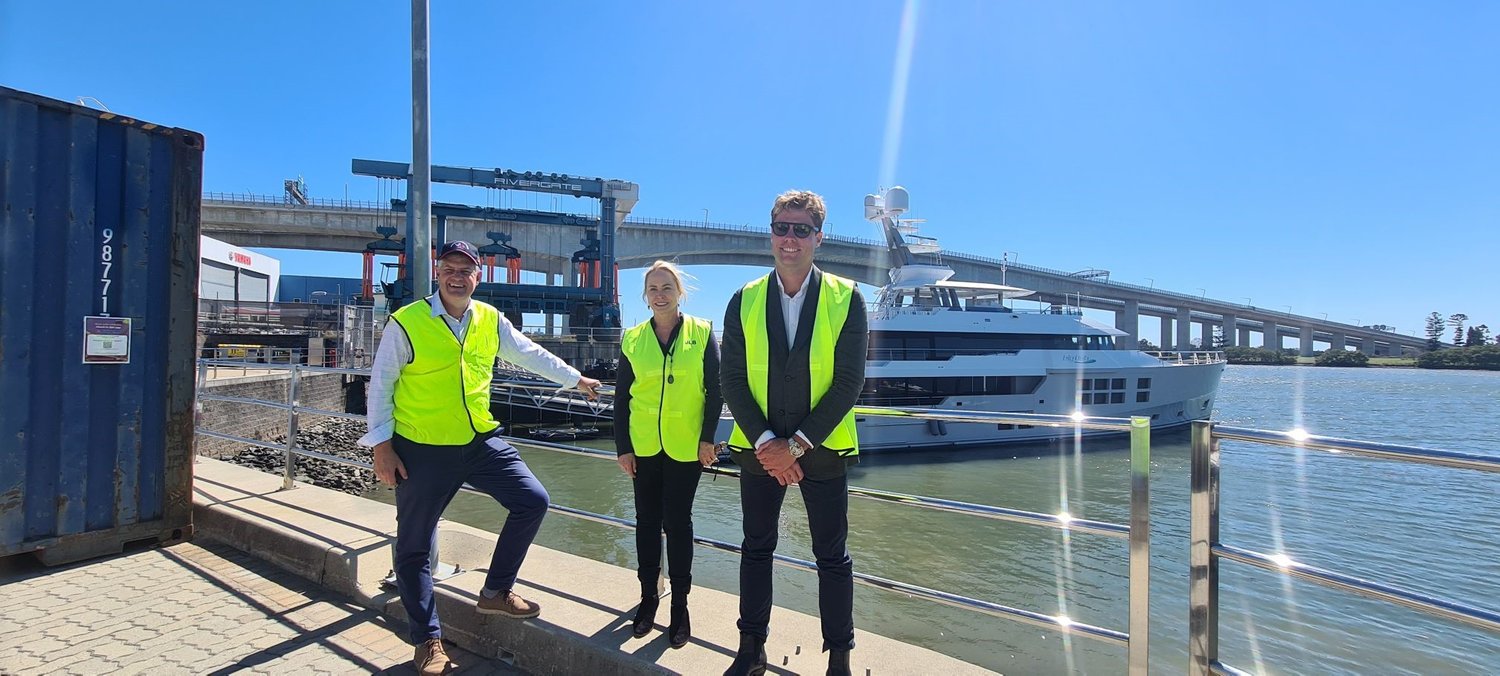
190, 609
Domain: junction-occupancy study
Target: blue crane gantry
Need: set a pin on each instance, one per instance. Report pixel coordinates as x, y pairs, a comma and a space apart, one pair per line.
593, 303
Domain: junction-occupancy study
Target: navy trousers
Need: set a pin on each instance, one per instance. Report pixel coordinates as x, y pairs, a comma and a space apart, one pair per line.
827, 503
433, 476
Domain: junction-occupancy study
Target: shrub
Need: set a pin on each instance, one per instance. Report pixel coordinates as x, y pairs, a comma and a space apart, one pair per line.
1256, 355
1342, 358
1480, 357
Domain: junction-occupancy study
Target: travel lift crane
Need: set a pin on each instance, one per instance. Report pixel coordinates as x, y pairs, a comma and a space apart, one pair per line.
592, 304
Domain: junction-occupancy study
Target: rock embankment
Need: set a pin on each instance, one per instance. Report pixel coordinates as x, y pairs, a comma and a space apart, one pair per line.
336, 437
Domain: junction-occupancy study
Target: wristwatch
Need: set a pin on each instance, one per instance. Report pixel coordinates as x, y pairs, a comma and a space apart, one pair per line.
796, 447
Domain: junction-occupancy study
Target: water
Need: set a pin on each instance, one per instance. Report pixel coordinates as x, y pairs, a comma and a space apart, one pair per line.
1420, 527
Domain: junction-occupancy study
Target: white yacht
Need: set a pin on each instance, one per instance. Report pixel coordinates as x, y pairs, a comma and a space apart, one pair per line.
964, 346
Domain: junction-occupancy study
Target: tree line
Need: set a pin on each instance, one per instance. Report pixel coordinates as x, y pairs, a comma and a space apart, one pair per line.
1473, 336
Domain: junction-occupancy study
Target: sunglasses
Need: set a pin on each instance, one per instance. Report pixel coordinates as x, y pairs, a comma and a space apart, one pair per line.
802, 230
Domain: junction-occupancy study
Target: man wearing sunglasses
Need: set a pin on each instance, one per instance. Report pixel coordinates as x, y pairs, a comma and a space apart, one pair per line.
793, 364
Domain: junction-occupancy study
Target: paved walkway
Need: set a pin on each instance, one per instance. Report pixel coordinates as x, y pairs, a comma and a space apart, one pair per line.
193, 608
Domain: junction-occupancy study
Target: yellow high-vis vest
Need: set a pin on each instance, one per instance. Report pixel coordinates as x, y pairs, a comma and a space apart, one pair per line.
666, 399
443, 395
834, 297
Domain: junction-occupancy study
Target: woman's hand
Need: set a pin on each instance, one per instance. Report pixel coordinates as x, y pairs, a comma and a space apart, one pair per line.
708, 453
627, 464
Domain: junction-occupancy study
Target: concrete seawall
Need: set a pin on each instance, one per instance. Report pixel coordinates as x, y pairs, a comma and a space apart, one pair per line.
342, 542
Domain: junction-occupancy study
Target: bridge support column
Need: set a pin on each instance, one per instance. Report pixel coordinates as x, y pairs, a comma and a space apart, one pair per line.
1128, 319
1244, 337
1306, 347
1337, 344
1166, 333
1270, 335
1184, 328
1231, 333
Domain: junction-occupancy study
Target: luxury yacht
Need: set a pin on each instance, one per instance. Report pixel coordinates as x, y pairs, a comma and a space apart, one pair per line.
964, 346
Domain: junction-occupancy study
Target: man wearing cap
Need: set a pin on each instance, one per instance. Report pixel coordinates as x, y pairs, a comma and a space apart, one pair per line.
431, 431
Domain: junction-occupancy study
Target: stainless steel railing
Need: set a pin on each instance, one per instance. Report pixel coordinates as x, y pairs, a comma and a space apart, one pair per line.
1207, 550
1137, 533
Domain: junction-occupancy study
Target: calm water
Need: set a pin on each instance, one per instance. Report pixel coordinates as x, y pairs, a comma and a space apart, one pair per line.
1424, 528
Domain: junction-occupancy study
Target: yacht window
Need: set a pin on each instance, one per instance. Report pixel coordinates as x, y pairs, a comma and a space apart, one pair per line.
1143, 383
1143, 396
1117, 397
1117, 384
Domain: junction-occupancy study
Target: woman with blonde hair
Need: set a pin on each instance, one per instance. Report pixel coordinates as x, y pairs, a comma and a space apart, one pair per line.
667, 405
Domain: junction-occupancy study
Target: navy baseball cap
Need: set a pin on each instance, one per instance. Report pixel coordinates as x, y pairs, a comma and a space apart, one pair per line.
459, 247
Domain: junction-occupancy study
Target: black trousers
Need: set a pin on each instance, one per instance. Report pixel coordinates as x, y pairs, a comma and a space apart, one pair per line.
664, 492
827, 503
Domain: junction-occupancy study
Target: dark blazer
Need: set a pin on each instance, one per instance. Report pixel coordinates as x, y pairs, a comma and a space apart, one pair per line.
789, 393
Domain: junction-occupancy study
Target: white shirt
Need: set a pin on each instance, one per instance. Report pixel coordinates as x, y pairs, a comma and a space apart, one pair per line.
395, 352
791, 308
791, 313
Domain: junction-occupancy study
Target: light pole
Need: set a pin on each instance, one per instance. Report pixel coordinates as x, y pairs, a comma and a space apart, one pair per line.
1153, 284
1288, 309
1202, 294
1248, 302
705, 218
1325, 316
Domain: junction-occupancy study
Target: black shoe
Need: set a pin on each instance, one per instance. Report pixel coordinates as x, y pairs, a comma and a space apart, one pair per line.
838, 662
681, 628
645, 616
751, 659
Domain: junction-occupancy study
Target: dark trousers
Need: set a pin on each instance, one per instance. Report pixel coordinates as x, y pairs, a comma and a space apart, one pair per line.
433, 476
827, 503
664, 491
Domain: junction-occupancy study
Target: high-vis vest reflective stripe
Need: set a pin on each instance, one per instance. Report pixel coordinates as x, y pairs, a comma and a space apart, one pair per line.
833, 309
666, 399
443, 395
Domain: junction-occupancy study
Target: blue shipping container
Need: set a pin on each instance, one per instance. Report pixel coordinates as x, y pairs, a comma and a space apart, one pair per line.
99, 218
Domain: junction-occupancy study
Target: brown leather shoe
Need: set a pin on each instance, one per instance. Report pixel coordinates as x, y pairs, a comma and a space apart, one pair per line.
509, 605
431, 659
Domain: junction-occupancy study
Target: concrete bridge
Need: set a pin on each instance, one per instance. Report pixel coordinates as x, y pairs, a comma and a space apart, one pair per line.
259, 221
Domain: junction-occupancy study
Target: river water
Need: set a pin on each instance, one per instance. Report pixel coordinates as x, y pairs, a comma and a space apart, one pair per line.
1425, 528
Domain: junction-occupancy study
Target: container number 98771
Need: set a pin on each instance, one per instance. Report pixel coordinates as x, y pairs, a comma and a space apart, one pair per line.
106, 262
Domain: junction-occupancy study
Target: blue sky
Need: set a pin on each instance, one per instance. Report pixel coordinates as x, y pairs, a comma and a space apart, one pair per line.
1335, 157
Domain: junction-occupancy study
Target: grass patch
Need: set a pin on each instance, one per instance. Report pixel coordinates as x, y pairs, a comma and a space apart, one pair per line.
1393, 361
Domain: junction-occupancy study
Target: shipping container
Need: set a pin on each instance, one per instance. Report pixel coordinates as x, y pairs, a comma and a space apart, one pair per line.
98, 309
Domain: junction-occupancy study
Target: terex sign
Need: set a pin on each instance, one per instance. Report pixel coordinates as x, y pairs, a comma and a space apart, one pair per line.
242, 259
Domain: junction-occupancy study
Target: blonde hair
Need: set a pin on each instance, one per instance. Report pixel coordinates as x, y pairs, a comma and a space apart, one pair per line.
805, 200
678, 276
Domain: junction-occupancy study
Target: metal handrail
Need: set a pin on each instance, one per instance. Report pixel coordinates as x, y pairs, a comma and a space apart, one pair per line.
1137, 533
1206, 549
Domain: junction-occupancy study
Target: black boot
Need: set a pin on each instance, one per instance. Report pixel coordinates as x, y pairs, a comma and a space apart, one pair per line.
838, 662
681, 628
645, 616
751, 659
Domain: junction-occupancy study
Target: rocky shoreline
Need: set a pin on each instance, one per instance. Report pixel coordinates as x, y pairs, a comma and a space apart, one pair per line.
334, 436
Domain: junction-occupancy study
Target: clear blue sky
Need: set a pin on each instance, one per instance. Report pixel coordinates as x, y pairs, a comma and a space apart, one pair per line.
1338, 157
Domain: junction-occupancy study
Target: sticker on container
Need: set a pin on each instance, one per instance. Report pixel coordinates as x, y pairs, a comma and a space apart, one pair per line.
106, 340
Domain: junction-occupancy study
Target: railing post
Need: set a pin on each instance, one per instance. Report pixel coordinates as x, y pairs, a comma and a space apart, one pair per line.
1203, 576
1140, 545
289, 467
198, 403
